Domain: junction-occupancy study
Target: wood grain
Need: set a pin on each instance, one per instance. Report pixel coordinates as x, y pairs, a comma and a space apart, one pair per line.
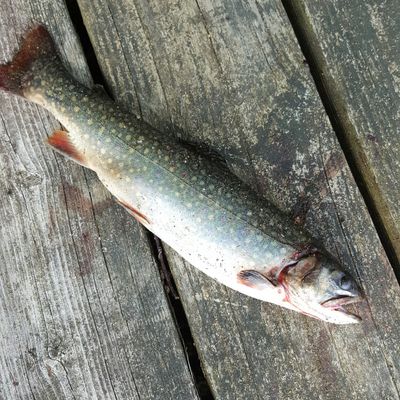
356, 49
231, 74
83, 314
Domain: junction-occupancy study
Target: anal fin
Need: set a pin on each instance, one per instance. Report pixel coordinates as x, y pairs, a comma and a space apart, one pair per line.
61, 142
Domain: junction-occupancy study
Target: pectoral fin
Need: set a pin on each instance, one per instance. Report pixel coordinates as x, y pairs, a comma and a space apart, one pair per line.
61, 142
254, 279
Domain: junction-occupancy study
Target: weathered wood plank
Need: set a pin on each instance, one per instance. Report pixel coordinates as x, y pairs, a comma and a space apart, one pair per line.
231, 74
83, 314
356, 49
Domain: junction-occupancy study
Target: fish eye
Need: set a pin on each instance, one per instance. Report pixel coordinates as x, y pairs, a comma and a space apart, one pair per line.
345, 282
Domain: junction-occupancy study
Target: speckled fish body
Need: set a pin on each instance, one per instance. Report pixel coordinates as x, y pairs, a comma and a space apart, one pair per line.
192, 203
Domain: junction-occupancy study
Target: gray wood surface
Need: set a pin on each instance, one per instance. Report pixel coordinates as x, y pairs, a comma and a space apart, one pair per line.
231, 74
356, 46
83, 314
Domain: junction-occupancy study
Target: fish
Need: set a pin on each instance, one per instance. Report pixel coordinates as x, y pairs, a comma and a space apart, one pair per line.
192, 202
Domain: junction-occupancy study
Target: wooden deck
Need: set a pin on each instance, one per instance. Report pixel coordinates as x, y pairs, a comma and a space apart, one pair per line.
84, 311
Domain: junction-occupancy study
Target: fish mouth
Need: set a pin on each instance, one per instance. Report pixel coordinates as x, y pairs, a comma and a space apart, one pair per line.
338, 303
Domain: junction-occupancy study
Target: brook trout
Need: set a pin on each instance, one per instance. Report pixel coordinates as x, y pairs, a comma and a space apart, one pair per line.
194, 204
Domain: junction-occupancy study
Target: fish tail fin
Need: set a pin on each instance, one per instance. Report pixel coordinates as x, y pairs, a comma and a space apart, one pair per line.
37, 47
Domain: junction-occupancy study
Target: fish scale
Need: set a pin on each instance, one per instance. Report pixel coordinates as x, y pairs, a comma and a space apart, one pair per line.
193, 203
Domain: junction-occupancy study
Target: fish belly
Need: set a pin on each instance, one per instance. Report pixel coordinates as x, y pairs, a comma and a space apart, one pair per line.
209, 235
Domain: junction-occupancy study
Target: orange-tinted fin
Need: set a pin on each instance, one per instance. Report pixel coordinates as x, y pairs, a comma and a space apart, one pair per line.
37, 46
61, 142
254, 279
140, 217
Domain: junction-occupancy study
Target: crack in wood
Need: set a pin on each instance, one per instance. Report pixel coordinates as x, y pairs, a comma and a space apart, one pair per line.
181, 321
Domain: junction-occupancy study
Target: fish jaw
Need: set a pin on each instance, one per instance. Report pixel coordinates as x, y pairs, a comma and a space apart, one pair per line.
317, 287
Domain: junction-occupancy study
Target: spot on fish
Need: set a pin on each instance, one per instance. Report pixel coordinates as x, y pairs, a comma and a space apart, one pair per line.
90, 122
198, 220
103, 151
109, 161
77, 109
108, 140
128, 137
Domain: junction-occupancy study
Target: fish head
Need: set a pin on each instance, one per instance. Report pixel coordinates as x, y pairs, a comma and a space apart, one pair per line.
318, 287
